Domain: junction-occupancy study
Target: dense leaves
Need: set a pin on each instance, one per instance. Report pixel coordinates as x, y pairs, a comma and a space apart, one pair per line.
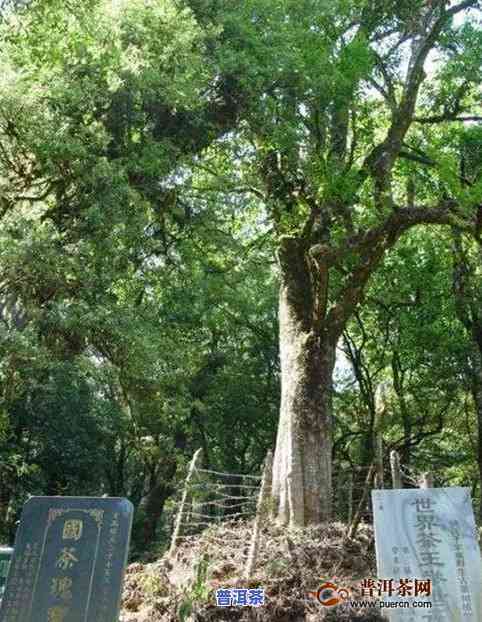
155, 157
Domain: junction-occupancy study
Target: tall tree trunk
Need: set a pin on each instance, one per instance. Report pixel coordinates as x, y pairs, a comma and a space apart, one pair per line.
153, 507
399, 387
302, 486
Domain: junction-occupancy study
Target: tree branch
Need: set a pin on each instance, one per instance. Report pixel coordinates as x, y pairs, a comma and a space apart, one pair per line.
380, 160
388, 93
401, 216
462, 6
441, 118
460, 278
414, 157
371, 248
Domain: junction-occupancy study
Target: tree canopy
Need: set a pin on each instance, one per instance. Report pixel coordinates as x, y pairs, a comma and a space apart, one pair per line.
165, 169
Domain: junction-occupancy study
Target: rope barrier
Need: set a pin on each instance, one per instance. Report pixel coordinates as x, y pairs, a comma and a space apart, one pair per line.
208, 500
216, 485
236, 497
219, 516
215, 504
225, 506
256, 477
212, 503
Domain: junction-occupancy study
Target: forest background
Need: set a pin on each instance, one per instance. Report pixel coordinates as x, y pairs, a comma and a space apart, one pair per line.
159, 162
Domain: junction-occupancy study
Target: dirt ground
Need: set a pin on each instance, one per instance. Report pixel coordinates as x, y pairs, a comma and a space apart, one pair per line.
291, 566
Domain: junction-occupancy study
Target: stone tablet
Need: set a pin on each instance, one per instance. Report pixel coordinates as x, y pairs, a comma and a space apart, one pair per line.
430, 534
5, 557
69, 559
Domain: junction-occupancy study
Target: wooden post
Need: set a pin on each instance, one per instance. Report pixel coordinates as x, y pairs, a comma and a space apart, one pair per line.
339, 492
379, 460
426, 481
262, 511
350, 497
358, 514
395, 468
177, 528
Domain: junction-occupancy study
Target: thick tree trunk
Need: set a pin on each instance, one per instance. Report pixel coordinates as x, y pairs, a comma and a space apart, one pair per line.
302, 486
153, 507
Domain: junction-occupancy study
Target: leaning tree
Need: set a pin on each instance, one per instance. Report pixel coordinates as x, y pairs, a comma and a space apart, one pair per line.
332, 116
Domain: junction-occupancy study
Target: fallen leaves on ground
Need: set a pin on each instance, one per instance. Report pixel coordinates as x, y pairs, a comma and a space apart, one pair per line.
291, 565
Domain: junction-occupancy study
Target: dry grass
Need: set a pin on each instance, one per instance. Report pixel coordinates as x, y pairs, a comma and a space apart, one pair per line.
290, 565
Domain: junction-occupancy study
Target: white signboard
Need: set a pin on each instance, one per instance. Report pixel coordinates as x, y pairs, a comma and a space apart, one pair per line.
429, 534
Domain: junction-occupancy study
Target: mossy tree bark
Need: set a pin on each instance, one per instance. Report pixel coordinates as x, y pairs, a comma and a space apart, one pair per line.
302, 468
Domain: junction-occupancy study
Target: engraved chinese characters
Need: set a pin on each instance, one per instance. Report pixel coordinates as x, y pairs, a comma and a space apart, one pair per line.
430, 533
69, 560
5, 556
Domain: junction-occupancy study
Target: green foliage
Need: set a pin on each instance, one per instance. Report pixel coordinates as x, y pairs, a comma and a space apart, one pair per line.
409, 335
198, 593
152, 156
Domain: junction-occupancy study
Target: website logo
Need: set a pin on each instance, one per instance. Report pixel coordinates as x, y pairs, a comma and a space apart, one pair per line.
330, 595
375, 593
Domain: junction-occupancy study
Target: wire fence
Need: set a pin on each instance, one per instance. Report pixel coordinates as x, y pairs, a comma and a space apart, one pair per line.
214, 498
233, 511
349, 482
230, 516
